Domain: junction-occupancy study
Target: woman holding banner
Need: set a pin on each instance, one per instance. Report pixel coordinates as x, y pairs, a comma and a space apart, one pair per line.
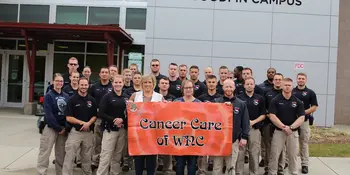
148, 83
187, 88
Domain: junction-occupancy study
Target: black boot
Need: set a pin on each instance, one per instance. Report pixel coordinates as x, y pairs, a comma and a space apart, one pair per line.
304, 169
262, 163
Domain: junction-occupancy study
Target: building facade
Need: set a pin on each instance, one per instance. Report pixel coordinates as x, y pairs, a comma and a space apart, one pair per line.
292, 36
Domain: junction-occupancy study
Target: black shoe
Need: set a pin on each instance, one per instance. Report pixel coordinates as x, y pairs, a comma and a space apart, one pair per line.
54, 161
79, 165
286, 166
262, 163
304, 169
210, 167
246, 159
280, 171
94, 167
223, 169
266, 173
160, 168
174, 168
126, 168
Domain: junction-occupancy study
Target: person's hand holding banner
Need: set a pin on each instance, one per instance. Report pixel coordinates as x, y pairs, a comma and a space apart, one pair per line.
180, 128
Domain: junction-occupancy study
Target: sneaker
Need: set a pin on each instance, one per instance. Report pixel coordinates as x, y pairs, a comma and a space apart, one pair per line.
210, 167
126, 168
262, 163
79, 165
246, 159
304, 169
160, 168
94, 167
54, 161
286, 165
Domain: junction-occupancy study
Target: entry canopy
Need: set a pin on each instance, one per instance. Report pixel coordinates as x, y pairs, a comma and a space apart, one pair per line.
44, 31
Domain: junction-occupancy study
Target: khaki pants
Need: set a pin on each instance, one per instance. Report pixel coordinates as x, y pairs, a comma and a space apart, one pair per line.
304, 143
166, 162
126, 157
97, 143
267, 138
230, 161
48, 138
202, 162
113, 143
254, 152
279, 141
75, 141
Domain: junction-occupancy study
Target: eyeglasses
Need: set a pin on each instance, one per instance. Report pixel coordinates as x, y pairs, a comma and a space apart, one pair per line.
73, 64
188, 88
155, 65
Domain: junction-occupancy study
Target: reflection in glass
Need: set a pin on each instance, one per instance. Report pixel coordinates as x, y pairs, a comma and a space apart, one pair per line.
71, 15
39, 82
103, 15
136, 18
8, 12
96, 62
15, 79
34, 13
61, 60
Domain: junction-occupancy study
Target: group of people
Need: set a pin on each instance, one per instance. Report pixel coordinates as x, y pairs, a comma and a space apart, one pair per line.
87, 122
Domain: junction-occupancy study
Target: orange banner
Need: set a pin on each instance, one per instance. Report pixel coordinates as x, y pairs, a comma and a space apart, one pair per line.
179, 128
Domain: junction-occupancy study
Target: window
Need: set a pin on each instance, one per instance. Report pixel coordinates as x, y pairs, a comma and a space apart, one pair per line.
8, 44
8, 12
137, 49
103, 15
69, 46
40, 45
61, 61
71, 15
34, 13
96, 62
136, 18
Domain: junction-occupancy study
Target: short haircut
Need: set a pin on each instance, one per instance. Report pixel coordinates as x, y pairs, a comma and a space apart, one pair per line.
239, 68
126, 70
83, 78
118, 76
287, 79
249, 78
75, 72
279, 75
183, 65
247, 68
87, 67
155, 60
223, 67
302, 74
165, 78
270, 69
113, 66
104, 68
194, 67
149, 77
211, 77
172, 64
138, 73
133, 64
55, 75
73, 58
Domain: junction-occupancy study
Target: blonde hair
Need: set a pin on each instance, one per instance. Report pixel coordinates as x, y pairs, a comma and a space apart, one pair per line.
118, 76
149, 77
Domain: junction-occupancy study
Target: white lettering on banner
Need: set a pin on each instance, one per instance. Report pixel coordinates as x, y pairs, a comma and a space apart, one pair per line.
298, 65
276, 2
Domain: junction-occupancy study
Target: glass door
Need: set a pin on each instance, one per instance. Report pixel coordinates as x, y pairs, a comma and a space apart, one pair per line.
39, 81
15, 80
2, 77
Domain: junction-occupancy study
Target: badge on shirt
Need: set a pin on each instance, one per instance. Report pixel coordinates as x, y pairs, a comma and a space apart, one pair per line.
178, 87
256, 102
196, 87
109, 89
294, 104
236, 111
133, 107
89, 104
304, 93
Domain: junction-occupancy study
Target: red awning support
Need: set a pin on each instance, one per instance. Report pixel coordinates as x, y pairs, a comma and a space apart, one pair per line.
31, 54
110, 48
120, 58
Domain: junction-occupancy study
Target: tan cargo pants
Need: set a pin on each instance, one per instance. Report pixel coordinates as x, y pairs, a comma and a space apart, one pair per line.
128, 161
254, 152
77, 140
97, 142
267, 138
166, 162
230, 160
279, 141
113, 143
202, 162
304, 143
48, 138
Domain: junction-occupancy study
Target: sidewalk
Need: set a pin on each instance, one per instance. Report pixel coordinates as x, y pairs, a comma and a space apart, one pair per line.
19, 147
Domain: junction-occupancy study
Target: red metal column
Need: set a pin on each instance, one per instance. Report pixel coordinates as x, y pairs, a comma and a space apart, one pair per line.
110, 48
31, 54
120, 58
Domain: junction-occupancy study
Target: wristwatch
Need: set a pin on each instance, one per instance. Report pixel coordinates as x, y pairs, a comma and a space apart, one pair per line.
291, 127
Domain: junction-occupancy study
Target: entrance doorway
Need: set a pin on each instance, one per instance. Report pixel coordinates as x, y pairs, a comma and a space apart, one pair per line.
15, 78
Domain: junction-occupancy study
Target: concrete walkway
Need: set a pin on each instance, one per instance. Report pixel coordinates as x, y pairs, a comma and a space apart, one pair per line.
19, 147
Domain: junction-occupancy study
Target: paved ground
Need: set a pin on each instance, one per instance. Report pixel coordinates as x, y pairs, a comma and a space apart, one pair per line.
19, 145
